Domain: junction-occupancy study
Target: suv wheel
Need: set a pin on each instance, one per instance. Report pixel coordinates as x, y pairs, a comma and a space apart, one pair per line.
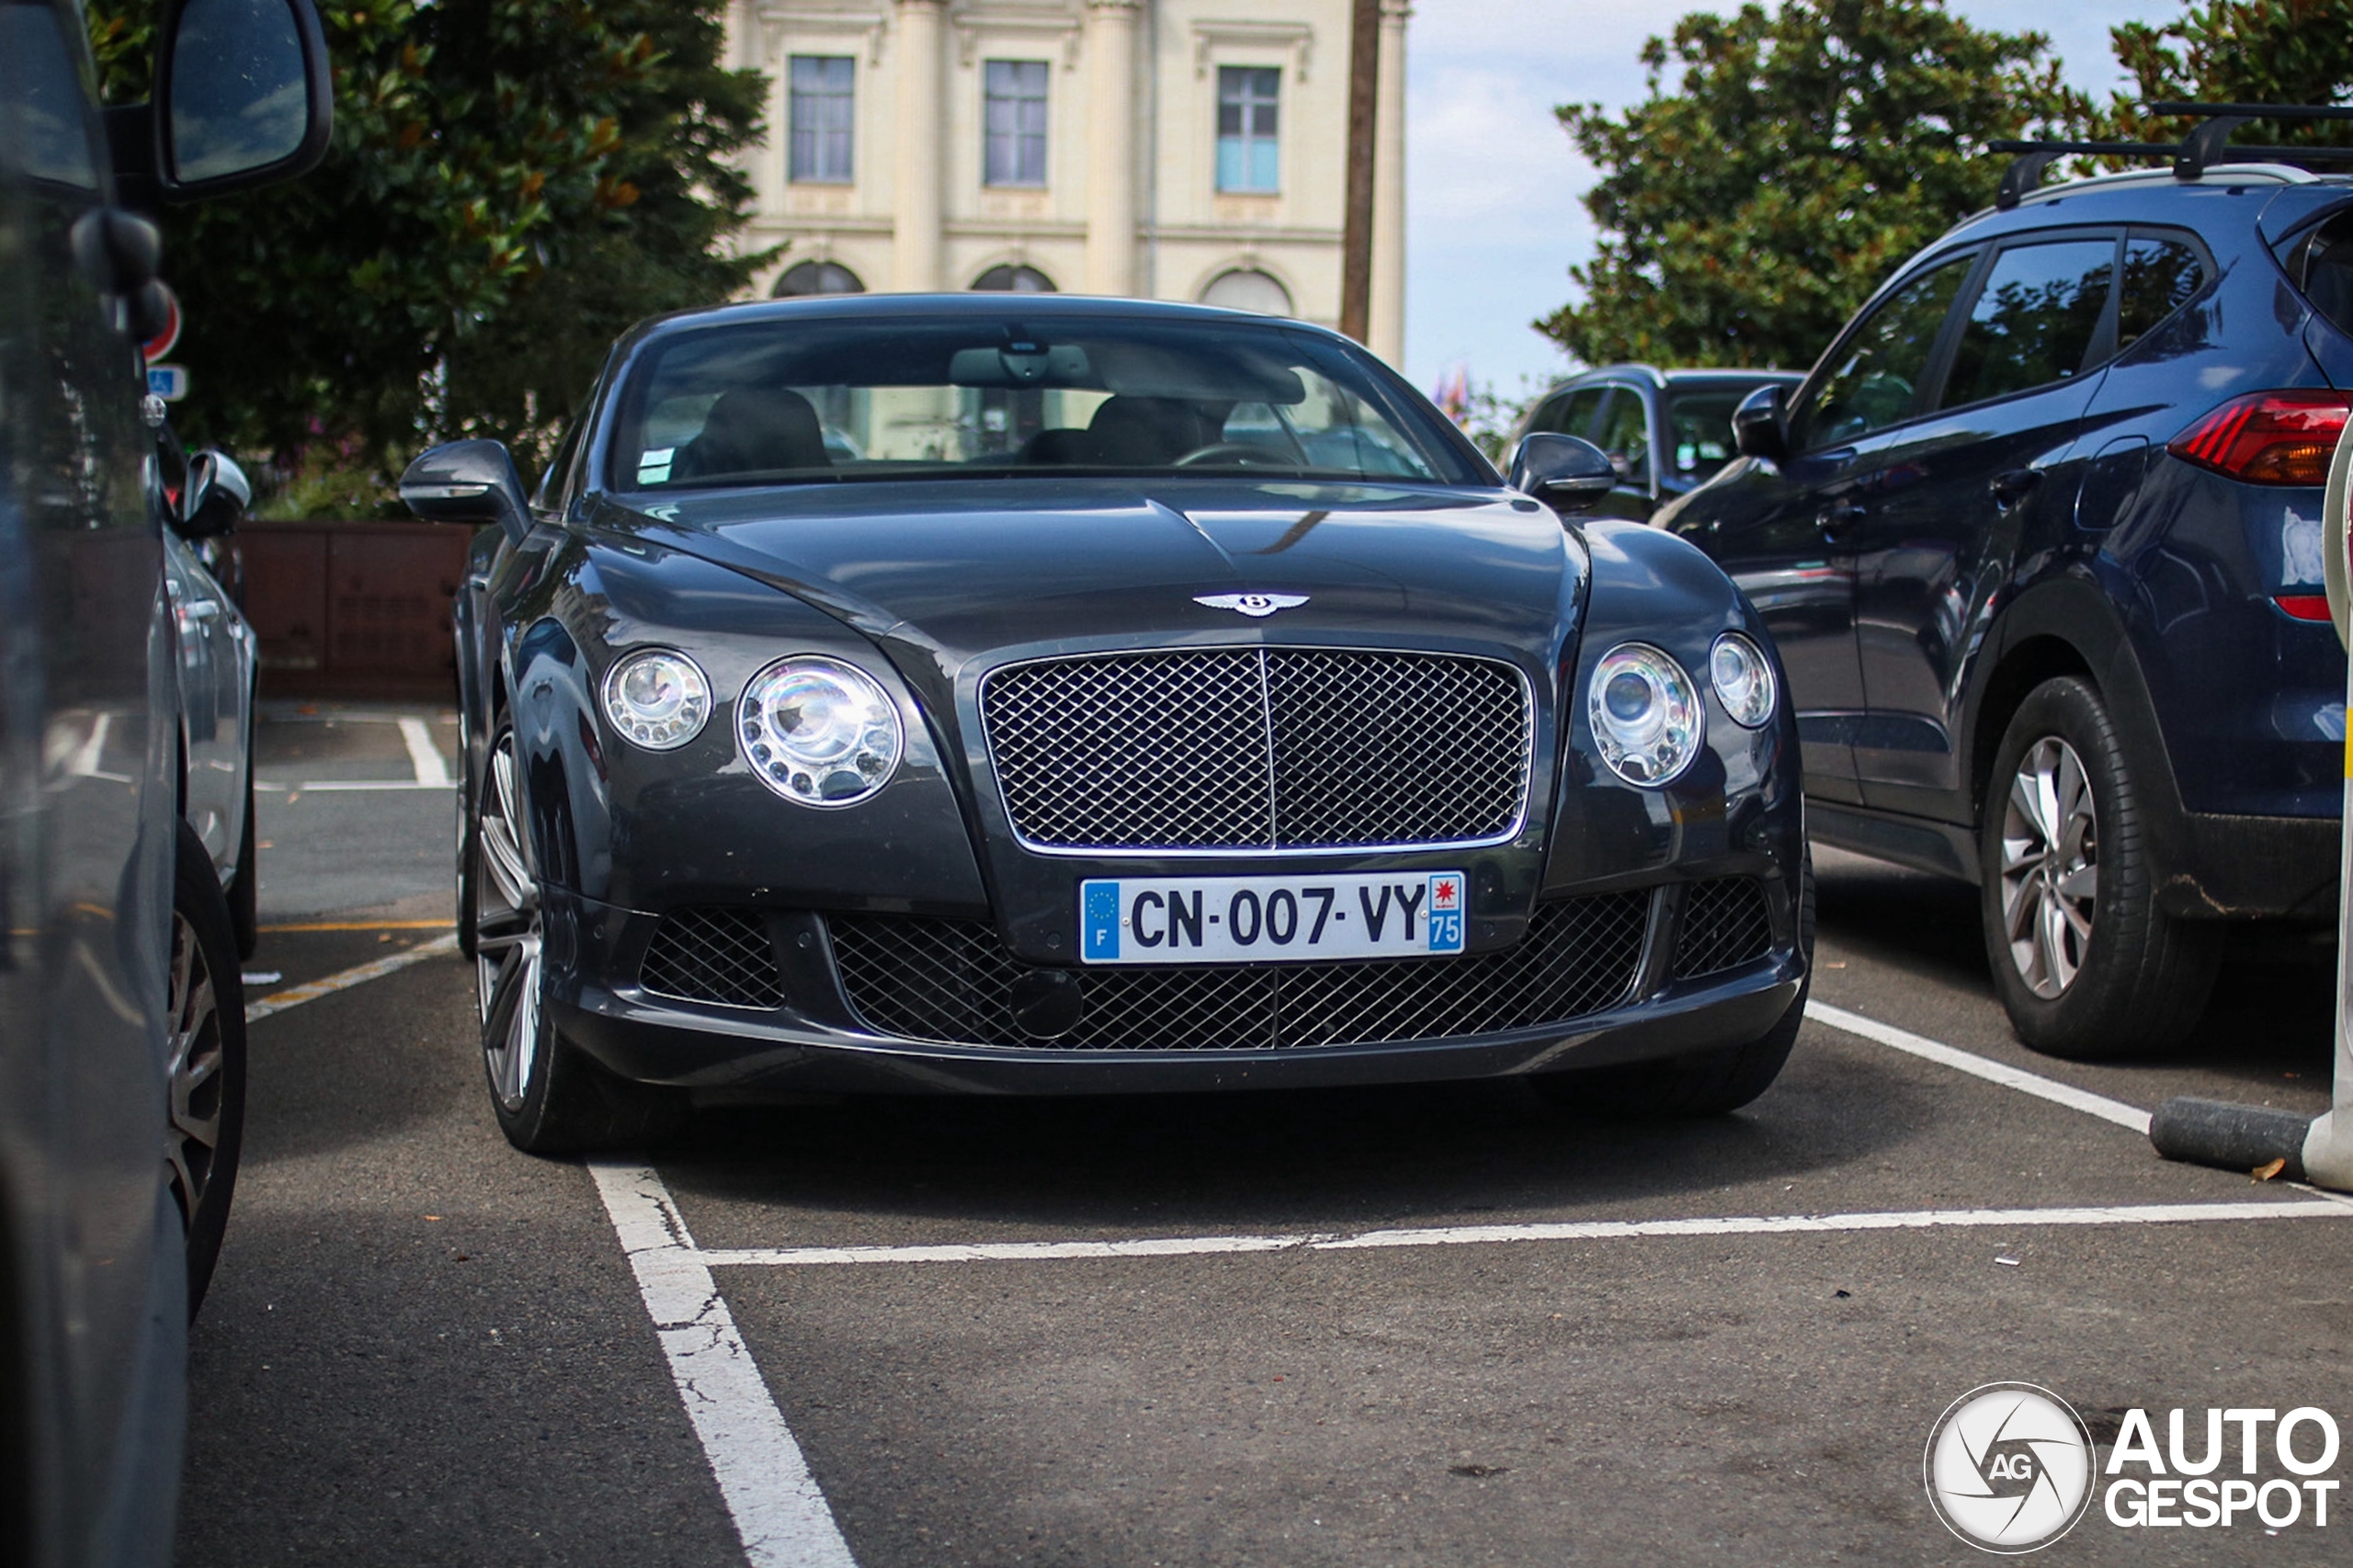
2085, 963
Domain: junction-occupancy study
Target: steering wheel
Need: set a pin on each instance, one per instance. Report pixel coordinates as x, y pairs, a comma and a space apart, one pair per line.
1242, 453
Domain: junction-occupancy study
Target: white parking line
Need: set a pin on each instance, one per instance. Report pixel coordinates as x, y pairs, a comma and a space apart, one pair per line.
311, 991
781, 1515
1983, 1067
1561, 1231
432, 772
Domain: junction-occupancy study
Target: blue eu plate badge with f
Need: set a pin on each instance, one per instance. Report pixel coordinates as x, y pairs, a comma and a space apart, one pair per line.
1099, 922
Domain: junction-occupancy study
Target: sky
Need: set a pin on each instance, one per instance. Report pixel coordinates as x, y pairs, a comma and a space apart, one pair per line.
1494, 191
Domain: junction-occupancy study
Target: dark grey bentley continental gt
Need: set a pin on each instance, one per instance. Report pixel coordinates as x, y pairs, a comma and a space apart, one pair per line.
1053, 695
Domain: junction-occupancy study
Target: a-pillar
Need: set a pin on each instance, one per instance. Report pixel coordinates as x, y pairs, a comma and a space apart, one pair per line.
1386, 330
916, 227
1110, 146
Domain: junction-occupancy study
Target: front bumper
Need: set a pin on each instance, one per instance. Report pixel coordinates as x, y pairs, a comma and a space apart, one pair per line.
1687, 986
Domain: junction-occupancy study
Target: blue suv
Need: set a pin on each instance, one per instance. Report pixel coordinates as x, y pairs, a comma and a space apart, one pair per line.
2039, 538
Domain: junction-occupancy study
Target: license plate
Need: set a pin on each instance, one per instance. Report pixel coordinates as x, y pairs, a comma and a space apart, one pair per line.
1236, 919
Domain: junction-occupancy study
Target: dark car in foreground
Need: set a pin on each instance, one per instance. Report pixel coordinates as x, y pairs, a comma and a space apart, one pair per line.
1667, 432
1163, 699
119, 1000
2039, 540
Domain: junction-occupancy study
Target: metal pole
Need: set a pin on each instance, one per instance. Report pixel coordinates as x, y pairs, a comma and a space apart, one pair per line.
1356, 236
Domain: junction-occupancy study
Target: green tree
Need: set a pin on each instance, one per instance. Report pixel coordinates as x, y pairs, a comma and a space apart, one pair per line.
1782, 164
511, 184
2264, 51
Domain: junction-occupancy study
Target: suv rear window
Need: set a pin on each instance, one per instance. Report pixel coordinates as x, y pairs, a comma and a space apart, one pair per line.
2321, 264
2160, 275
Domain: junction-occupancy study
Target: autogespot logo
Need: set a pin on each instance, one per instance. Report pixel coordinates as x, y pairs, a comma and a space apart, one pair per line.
2009, 1468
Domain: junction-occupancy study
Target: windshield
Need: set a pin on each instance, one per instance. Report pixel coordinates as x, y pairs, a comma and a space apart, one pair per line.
1699, 420
829, 399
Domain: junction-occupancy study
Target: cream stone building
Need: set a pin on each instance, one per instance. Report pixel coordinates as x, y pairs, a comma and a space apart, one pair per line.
1173, 148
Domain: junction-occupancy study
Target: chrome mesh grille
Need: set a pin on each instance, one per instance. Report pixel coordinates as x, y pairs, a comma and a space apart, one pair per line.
718, 956
1246, 749
1725, 924
952, 982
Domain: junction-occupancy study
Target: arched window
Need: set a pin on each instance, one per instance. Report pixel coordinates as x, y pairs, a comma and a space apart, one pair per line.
1014, 280
1246, 289
817, 278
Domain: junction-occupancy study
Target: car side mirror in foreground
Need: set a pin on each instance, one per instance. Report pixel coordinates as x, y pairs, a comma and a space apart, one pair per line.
468, 481
1566, 472
243, 98
1760, 425
217, 496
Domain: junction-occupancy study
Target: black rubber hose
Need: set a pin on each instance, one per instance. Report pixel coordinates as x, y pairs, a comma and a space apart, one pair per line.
2233, 1137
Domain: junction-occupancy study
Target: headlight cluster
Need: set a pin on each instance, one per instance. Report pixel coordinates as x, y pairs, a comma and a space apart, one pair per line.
657, 699
1648, 720
819, 732
816, 731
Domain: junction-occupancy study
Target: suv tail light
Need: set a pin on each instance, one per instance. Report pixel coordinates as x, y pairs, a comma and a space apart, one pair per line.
2274, 437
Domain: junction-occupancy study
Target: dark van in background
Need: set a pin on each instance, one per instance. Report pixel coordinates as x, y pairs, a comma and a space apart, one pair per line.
100, 1211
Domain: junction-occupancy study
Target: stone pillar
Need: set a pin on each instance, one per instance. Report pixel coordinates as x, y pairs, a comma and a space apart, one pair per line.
1110, 146
915, 233
1386, 336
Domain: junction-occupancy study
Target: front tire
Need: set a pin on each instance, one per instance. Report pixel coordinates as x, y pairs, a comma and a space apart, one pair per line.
205, 1029
548, 1098
2085, 963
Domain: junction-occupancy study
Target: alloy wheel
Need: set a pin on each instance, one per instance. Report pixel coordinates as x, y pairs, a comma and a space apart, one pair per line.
507, 932
2049, 867
194, 1010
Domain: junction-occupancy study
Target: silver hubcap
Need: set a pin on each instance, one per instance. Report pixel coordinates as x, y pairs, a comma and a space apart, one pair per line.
2049, 867
506, 933
194, 1134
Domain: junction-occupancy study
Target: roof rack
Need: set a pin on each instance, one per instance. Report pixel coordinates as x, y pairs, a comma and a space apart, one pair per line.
2205, 145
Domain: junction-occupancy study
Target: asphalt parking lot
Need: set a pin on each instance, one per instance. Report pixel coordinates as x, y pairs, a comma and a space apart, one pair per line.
1433, 1325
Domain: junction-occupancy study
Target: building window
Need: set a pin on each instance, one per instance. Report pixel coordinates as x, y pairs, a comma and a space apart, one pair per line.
1246, 127
821, 112
1015, 122
1013, 280
817, 278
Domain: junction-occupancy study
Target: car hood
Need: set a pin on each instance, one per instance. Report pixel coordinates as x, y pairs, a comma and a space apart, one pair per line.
963, 570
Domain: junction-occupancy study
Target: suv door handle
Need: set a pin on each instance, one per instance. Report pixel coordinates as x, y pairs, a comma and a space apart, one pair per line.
2010, 488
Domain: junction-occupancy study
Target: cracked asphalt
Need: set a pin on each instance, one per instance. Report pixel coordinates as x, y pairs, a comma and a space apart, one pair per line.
425, 1348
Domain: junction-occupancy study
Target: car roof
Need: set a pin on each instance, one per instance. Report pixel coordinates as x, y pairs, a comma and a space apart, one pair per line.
2223, 204
1677, 378
989, 305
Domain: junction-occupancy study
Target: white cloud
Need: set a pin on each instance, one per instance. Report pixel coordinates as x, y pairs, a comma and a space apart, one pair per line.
1495, 209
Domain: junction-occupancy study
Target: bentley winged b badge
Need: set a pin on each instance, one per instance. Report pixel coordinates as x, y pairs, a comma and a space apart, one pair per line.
1253, 605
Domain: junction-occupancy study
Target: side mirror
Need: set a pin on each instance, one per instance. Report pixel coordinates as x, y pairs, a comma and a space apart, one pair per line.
1760, 425
217, 496
1566, 472
243, 98
468, 481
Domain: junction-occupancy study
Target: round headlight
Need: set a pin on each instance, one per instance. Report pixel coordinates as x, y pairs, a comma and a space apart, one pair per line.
1646, 715
1744, 680
819, 732
657, 699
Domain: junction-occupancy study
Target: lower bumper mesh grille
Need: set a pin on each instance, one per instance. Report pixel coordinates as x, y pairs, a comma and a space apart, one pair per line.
952, 982
1725, 925
723, 957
